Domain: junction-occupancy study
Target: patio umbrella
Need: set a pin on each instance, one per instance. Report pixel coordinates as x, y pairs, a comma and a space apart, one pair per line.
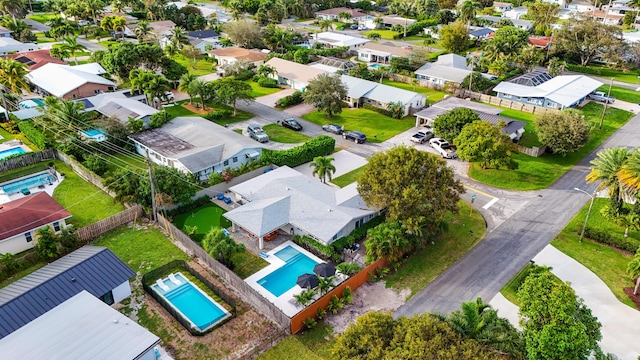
324, 270
308, 281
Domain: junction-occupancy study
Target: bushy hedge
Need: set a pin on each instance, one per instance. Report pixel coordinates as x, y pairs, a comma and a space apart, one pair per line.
267, 83
218, 115
244, 75
326, 252
382, 111
357, 234
583, 69
290, 100
35, 135
319, 146
189, 205
418, 26
619, 242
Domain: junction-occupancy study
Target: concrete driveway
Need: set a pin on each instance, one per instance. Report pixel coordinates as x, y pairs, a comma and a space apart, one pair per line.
270, 100
344, 161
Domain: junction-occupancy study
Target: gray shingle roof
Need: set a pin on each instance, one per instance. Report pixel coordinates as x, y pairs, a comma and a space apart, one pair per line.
358, 88
92, 268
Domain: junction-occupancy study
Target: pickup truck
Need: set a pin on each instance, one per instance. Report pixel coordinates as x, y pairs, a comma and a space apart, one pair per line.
422, 136
601, 96
443, 148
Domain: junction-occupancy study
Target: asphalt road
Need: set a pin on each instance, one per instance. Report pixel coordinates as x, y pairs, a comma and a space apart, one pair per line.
505, 250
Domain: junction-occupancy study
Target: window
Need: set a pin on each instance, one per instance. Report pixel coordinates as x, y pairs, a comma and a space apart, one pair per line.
235, 159
56, 226
107, 298
28, 236
226, 162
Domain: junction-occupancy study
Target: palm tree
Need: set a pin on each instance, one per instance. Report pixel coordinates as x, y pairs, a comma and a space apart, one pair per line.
157, 88
139, 79
326, 25
184, 85
71, 45
142, 30
374, 36
12, 7
69, 115
468, 11
178, 37
633, 269
377, 21
605, 168
629, 174
13, 75
199, 87
323, 167
344, 16
325, 284
94, 7
625, 218
113, 24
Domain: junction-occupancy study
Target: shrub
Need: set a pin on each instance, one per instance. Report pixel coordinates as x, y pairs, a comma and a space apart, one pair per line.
215, 179
319, 146
382, 111
347, 296
218, 115
327, 252
35, 135
158, 119
96, 164
602, 237
583, 69
10, 126
290, 100
335, 304
244, 75
321, 313
310, 323
267, 83
357, 234
348, 268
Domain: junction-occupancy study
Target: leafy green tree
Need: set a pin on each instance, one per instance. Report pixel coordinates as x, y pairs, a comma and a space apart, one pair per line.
478, 83
221, 246
323, 167
47, 246
96, 164
484, 142
556, 324
13, 75
454, 37
388, 240
542, 15
9, 263
125, 56
230, 90
375, 36
509, 40
396, 109
633, 269
562, 131
68, 241
244, 34
623, 218
585, 37
326, 92
416, 188
67, 115
604, 170
113, 23
360, 71
450, 124
184, 85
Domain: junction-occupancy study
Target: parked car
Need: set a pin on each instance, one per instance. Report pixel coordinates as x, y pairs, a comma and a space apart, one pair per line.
356, 136
601, 96
256, 132
443, 148
354, 27
334, 128
422, 136
168, 96
292, 124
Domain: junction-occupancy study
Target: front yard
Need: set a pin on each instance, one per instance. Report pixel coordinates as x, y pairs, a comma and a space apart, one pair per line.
179, 109
257, 90
384, 34
431, 94
376, 126
281, 134
348, 178
621, 93
202, 67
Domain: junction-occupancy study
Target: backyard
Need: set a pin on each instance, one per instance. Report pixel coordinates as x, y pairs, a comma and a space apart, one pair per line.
201, 67
431, 94
281, 134
376, 126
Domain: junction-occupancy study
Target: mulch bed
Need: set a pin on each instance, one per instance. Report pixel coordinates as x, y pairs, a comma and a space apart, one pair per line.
198, 110
634, 298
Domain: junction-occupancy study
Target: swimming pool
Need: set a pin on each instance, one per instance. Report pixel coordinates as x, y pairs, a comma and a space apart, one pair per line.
93, 132
26, 183
10, 152
189, 301
376, 66
31, 103
284, 278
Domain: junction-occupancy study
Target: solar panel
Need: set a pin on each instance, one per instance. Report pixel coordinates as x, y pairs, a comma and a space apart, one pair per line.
25, 60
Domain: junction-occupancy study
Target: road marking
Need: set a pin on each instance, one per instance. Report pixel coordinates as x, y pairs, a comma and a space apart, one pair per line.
488, 205
479, 192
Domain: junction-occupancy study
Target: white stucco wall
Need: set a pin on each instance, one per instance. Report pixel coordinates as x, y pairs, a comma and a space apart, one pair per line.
18, 243
121, 292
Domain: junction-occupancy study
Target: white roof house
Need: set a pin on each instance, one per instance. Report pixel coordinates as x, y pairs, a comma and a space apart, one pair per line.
292, 73
558, 93
288, 200
361, 91
333, 39
65, 81
197, 146
448, 68
124, 109
82, 327
8, 46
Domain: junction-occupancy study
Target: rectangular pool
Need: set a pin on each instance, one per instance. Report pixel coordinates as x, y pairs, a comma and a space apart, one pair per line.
191, 302
285, 277
10, 152
26, 183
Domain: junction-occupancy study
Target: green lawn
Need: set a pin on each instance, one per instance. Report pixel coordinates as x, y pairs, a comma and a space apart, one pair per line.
431, 94
5, 135
107, 43
621, 93
8, 136
82, 199
348, 178
246, 264
384, 34
630, 77
205, 218
607, 263
539, 173
178, 110
463, 232
376, 126
43, 18
281, 134
510, 290
202, 67
309, 344
257, 90
41, 38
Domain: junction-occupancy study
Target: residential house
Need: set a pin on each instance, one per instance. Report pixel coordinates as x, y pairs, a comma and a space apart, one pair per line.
4, 32
608, 19
204, 40
542, 42
293, 74
9, 46
35, 59
21, 218
502, 6
81, 327
481, 34
581, 6
333, 39
560, 92
373, 52
388, 21
515, 13
128, 18
426, 117
286, 200
228, 56
206, 11
160, 30
449, 68
360, 92
70, 82
94, 269
561, 3
333, 64
519, 23
125, 109
617, 9
196, 146
332, 14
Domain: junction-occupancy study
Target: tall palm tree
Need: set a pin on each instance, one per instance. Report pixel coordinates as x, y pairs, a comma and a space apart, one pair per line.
13, 75
323, 167
468, 11
199, 87
142, 30
178, 37
69, 115
183, 86
605, 168
12, 7
157, 87
139, 79
94, 7
629, 173
326, 25
71, 45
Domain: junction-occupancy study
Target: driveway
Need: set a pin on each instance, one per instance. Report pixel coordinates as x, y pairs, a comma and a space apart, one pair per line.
270, 100
36, 25
344, 162
300, 109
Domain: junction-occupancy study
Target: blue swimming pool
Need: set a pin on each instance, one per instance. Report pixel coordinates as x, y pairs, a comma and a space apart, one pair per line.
26, 183
10, 152
93, 132
191, 302
376, 66
284, 278
31, 103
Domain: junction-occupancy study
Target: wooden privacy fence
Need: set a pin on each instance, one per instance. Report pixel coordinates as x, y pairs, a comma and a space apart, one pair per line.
27, 159
246, 292
494, 100
96, 229
532, 151
84, 172
354, 282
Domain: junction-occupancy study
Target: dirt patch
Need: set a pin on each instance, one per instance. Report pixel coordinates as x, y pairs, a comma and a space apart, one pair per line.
368, 297
634, 298
197, 110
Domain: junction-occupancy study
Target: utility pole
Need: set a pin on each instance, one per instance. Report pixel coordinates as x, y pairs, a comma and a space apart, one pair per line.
153, 188
4, 104
606, 103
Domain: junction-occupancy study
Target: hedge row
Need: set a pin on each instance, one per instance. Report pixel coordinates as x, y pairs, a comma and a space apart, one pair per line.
189, 205
290, 100
382, 111
603, 237
319, 146
326, 252
357, 234
35, 135
218, 115
583, 69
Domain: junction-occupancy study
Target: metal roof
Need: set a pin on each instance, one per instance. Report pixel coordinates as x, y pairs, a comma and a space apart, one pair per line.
359, 88
82, 327
565, 90
533, 78
91, 268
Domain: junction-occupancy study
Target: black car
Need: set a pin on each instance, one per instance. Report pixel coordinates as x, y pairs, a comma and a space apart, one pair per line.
356, 136
292, 124
334, 128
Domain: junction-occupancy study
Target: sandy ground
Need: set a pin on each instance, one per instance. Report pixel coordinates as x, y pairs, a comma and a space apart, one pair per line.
368, 297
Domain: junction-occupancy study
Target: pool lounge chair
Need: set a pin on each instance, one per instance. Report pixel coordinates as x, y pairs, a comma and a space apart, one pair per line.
264, 255
161, 285
174, 279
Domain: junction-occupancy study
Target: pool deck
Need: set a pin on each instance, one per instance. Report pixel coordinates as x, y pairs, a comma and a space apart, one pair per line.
49, 189
14, 144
